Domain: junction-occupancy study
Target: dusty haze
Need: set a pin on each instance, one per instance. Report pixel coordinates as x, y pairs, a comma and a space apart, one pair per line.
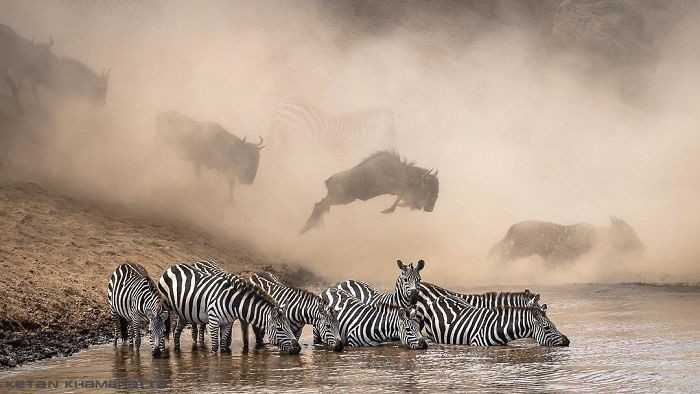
519, 126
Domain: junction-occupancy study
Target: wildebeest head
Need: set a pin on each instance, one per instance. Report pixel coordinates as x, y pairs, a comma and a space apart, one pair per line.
425, 193
246, 155
623, 237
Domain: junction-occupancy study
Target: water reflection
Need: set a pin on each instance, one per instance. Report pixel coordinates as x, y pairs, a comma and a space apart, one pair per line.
623, 339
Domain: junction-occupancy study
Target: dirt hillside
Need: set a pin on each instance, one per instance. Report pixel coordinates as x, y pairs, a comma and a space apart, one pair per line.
56, 256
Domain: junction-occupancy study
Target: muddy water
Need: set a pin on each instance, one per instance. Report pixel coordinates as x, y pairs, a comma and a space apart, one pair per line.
623, 338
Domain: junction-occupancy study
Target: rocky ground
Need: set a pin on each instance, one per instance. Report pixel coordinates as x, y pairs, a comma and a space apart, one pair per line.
57, 253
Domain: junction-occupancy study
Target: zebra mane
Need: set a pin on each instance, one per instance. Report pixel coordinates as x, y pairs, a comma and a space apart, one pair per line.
141, 270
344, 295
298, 289
244, 284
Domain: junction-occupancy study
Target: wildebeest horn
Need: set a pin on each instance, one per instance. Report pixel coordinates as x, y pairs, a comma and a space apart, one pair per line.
243, 140
261, 141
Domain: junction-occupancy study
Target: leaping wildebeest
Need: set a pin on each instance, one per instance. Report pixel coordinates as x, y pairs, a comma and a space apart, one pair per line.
379, 174
22, 60
556, 242
207, 144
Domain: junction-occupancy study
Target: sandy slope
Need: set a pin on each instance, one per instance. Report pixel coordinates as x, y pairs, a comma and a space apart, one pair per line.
57, 253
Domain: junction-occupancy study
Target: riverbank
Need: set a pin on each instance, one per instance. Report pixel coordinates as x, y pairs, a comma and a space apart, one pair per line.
56, 255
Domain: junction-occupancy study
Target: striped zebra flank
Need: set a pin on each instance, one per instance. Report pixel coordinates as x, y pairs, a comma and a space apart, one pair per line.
250, 305
302, 307
189, 291
134, 302
452, 322
373, 325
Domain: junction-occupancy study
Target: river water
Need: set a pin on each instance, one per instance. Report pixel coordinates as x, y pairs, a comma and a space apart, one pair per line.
624, 338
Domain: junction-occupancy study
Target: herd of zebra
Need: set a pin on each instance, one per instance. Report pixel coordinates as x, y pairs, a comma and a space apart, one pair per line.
351, 313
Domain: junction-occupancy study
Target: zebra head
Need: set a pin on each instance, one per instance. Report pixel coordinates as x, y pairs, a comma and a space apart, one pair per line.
408, 283
159, 324
278, 331
409, 330
543, 330
326, 323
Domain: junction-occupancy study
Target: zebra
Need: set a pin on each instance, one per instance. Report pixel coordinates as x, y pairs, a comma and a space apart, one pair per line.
405, 291
133, 300
211, 267
448, 321
342, 133
303, 307
484, 300
251, 305
189, 292
373, 325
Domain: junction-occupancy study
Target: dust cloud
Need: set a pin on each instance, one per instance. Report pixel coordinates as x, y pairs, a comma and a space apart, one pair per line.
519, 127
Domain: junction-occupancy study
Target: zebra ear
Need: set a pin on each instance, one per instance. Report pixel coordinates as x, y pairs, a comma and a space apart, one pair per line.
420, 265
544, 307
400, 264
527, 291
536, 299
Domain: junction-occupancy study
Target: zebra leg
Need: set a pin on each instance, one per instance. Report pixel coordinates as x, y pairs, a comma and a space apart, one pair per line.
392, 208
117, 326
202, 328
317, 337
214, 333
137, 336
179, 326
226, 338
195, 332
244, 336
131, 335
259, 338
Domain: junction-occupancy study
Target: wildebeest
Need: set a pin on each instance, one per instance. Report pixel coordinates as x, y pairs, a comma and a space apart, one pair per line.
22, 61
207, 144
381, 173
71, 78
556, 243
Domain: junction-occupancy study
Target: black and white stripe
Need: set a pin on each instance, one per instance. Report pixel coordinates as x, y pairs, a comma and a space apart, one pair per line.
251, 305
134, 300
373, 325
372, 129
302, 307
189, 292
405, 290
450, 321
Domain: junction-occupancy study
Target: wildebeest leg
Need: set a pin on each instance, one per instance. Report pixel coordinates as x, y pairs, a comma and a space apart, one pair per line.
15, 93
321, 208
392, 208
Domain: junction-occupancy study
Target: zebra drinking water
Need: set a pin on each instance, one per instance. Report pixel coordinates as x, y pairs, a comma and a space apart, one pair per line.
448, 321
303, 307
134, 300
373, 325
405, 291
251, 305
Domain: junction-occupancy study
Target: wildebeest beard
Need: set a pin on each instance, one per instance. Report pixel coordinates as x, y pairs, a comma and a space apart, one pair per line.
247, 157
